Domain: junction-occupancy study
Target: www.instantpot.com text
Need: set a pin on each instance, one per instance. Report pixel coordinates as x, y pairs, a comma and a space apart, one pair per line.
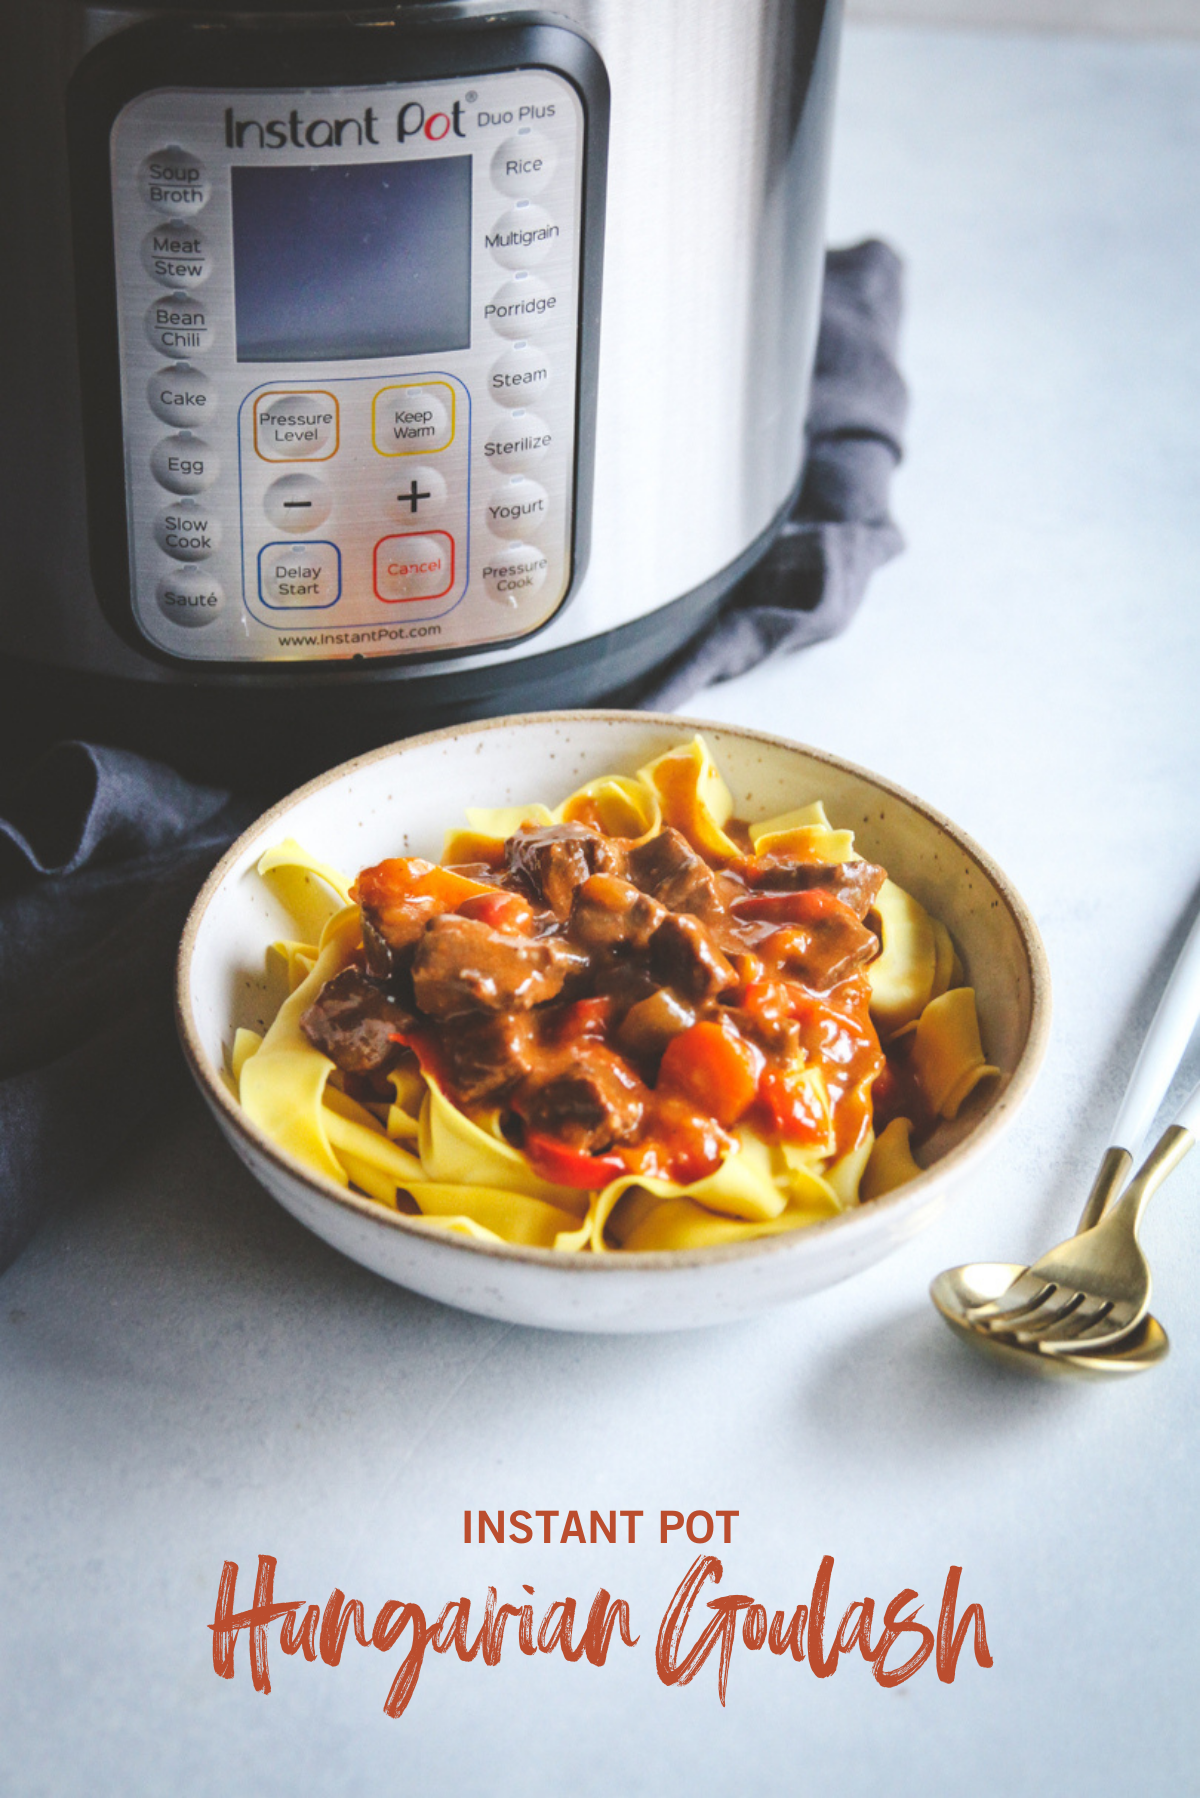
375, 634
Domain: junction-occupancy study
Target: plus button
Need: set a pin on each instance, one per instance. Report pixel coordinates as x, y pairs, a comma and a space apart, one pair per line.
413, 498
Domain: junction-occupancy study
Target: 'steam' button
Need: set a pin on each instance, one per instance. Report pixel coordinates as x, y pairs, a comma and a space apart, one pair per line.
174, 182
520, 376
414, 566
299, 575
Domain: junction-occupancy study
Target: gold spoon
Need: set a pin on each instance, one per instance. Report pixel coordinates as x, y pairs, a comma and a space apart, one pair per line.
956, 1291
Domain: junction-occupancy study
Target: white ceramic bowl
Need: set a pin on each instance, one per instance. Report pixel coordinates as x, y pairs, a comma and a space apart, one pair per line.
399, 802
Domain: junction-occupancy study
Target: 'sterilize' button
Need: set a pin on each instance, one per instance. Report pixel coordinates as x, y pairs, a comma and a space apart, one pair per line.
188, 531
414, 566
300, 575
518, 442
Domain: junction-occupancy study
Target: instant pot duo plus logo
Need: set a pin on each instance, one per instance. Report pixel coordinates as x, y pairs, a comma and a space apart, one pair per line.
296, 130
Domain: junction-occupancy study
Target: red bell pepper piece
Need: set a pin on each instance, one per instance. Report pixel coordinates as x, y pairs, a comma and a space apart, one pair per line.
557, 1162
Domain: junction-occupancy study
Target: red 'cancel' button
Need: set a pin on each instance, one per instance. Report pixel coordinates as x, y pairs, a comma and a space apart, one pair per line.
414, 566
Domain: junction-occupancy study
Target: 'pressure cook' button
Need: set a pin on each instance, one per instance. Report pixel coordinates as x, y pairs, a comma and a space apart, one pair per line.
174, 182
523, 164
518, 506
519, 376
178, 325
521, 237
190, 598
418, 495
520, 305
519, 441
180, 256
414, 566
297, 503
296, 427
405, 420
184, 464
516, 573
182, 396
188, 532
300, 574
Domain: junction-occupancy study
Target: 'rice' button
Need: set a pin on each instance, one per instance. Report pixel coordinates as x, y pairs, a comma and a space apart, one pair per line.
191, 598
524, 164
515, 574
297, 503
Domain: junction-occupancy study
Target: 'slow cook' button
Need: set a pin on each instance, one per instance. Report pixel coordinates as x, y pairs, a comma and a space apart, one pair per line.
518, 507
519, 376
180, 256
178, 325
184, 464
517, 573
300, 575
187, 531
190, 598
181, 396
174, 182
414, 566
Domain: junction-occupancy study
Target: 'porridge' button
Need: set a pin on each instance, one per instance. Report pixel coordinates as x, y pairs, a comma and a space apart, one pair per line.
190, 598
299, 575
516, 573
187, 530
175, 182
414, 566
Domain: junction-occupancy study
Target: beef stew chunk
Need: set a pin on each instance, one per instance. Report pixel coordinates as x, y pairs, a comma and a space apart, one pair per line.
487, 1057
352, 1020
464, 966
551, 861
610, 914
667, 867
684, 957
590, 1103
855, 884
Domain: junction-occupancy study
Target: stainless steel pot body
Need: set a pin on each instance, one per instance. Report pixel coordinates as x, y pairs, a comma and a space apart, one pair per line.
716, 178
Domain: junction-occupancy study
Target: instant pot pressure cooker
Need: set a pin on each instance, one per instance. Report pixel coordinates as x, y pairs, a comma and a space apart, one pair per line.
367, 368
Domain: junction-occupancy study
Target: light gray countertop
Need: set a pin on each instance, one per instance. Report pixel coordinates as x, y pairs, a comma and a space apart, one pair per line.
187, 1377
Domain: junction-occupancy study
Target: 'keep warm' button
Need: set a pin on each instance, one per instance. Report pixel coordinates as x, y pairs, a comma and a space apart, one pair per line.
299, 575
414, 566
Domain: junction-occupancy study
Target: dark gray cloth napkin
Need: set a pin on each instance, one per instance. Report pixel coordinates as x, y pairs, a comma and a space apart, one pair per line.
102, 851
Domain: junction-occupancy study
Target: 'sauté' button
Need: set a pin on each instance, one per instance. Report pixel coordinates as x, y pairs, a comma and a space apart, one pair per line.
191, 598
174, 182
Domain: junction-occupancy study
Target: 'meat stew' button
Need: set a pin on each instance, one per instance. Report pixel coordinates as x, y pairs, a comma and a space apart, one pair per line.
414, 566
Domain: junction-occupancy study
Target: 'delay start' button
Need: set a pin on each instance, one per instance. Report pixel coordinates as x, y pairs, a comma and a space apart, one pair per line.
299, 575
414, 566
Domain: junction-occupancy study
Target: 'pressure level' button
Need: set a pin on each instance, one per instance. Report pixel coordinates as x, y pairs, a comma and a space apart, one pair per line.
518, 307
518, 506
180, 256
414, 566
296, 427
409, 420
297, 503
190, 598
175, 182
521, 237
300, 575
514, 574
178, 325
518, 442
184, 464
182, 396
188, 531
519, 376
523, 164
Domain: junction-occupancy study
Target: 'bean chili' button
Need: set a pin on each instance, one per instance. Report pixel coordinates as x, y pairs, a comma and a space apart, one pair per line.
190, 598
175, 182
179, 325
187, 530
514, 574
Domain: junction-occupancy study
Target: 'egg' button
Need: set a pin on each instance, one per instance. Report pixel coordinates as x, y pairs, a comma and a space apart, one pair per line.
300, 575
185, 464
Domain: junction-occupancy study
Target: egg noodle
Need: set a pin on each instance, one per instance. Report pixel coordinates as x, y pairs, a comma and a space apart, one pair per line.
418, 1150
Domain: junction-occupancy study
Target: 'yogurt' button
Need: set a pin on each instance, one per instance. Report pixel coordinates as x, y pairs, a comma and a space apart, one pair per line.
519, 376
417, 495
297, 503
414, 566
175, 182
518, 442
181, 396
521, 237
300, 574
189, 533
523, 164
178, 325
185, 464
294, 427
190, 598
407, 419
518, 572
520, 305
180, 256
518, 506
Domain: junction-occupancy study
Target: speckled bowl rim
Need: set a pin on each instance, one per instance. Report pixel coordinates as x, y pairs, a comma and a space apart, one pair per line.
902, 1199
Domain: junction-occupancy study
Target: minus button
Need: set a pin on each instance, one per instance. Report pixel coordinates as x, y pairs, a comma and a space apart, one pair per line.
298, 493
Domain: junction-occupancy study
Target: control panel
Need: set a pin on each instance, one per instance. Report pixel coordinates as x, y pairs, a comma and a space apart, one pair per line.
348, 329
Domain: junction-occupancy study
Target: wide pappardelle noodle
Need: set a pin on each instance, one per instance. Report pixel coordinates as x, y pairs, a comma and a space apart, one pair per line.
628, 1023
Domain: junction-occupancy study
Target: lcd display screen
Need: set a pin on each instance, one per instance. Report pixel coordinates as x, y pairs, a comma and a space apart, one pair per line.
363, 259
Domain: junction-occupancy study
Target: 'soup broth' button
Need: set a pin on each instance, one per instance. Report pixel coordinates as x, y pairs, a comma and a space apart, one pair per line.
299, 575
175, 182
188, 530
519, 572
414, 566
190, 598
411, 421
